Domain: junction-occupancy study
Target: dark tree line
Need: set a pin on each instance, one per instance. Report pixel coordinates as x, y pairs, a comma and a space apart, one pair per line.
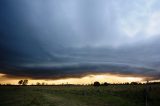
98, 84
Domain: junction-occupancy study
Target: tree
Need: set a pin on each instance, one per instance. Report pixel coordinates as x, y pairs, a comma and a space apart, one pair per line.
43, 83
23, 82
20, 82
105, 84
38, 83
134, 83
126, 83
96, 83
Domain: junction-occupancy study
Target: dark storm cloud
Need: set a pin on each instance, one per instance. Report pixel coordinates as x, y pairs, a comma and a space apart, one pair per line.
37, 36
78, 70
36, 30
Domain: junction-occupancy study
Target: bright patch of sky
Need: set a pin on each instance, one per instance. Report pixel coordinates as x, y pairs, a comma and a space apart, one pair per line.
141, 19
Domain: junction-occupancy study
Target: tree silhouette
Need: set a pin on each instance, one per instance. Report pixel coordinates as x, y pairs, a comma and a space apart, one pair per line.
96, 83
23, 82
38, 83
105, 84
20, 82
134, 83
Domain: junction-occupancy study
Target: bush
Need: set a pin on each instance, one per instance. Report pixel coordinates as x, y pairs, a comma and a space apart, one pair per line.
96, 83
134, 83
105, 84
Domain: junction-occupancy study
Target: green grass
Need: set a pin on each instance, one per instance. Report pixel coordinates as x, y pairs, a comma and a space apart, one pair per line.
113, 95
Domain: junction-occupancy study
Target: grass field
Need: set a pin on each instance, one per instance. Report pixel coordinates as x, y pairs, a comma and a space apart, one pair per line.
112, 95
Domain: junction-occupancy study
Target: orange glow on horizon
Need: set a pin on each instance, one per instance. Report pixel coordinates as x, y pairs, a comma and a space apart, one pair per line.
88, 79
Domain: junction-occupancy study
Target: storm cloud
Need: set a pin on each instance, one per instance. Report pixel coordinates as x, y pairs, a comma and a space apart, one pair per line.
72, 38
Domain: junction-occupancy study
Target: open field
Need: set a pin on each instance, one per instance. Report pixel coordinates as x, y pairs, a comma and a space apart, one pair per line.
112, 95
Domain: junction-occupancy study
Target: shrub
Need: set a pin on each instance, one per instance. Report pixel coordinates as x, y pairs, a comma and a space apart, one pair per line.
96, 83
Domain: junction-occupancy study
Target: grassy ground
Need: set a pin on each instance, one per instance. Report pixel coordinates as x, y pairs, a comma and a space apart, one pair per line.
112, 95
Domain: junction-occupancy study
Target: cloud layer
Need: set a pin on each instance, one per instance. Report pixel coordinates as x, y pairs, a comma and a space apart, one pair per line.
90, 36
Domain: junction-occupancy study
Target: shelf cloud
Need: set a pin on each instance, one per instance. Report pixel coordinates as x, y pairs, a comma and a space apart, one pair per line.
59, 38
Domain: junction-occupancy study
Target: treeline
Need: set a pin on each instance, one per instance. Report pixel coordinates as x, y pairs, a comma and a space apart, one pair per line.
127, 83
96, 83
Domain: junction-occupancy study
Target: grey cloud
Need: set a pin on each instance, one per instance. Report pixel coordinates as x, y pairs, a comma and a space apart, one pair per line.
76, 31
78, 70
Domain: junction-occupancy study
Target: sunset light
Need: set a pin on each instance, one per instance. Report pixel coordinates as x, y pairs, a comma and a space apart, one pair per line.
88, 79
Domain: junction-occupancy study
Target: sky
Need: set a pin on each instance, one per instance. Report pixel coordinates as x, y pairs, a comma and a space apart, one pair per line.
57, 39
